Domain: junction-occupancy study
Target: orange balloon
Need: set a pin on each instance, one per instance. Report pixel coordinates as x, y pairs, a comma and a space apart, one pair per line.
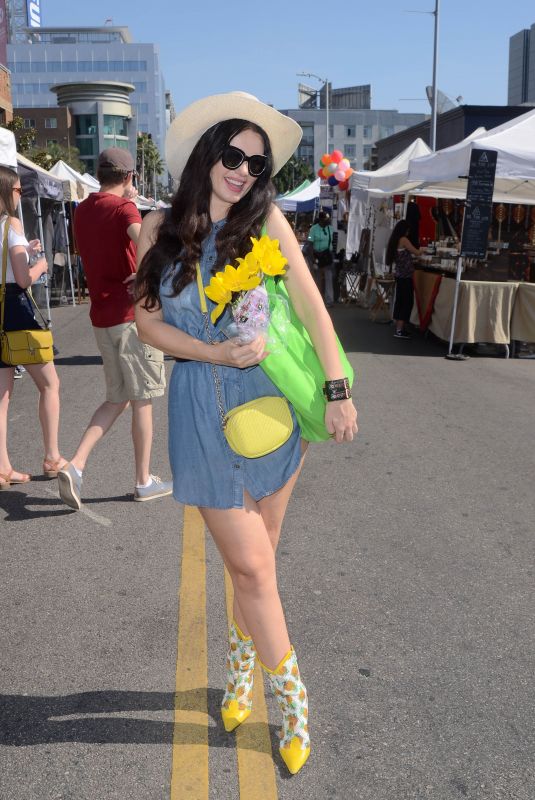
326, 159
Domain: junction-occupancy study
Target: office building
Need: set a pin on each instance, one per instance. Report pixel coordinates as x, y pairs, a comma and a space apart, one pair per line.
354, 127
521, 84
40, 58
452, 126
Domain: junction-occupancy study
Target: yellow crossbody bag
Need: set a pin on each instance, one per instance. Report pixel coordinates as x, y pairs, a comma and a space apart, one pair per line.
21, 347
252, 429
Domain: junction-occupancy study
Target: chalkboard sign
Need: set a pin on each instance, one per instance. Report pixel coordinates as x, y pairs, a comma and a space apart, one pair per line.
478, 209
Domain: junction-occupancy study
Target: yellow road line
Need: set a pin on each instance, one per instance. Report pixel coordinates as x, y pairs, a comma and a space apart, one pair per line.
189, 771
256, 772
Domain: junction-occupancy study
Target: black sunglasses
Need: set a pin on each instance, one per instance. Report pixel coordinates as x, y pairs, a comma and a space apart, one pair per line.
233, 157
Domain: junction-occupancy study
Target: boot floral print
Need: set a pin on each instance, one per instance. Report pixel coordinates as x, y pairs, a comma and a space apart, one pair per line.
238, 697
292, 698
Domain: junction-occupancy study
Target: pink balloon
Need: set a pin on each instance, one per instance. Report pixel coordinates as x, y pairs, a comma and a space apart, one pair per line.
340, 175
344, 164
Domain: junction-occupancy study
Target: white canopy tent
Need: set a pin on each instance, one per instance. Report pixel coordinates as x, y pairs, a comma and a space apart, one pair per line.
77, 188
8, 149
390, 178
369, 188
445, 173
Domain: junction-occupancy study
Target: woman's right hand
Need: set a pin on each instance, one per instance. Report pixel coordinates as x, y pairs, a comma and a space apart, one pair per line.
233, 353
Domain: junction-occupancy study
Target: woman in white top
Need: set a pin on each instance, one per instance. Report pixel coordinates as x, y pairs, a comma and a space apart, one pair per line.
18, 315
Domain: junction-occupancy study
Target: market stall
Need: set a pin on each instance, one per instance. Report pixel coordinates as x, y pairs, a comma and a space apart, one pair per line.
487, 291
41, 194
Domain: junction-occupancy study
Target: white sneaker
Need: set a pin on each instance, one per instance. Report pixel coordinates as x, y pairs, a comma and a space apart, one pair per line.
156, 488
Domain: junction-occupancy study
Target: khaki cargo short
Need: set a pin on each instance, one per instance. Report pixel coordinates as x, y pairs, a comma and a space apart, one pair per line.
133, 370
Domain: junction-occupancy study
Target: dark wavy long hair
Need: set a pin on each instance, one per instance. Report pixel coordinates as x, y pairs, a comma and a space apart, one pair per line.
182, 232
401, 229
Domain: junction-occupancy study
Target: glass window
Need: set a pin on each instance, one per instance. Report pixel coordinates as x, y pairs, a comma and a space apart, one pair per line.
100, 66
331, 130
38, 66
29, 123
386, 130
85, 66
367, 150
51, 122
112, 141
142, 108
350, 150
351, 131
69, 66
116, 66
86, 124
51, 141
114, 126
53, 66
88, 146
367, 131
141, 86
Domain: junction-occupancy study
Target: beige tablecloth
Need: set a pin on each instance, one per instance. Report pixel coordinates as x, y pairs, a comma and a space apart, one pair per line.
483, 313
523, 321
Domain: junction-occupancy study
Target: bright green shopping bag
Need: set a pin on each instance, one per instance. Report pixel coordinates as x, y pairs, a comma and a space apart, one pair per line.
294, 367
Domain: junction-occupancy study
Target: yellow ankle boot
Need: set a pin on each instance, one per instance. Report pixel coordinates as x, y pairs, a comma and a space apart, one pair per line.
291, 695
238, 697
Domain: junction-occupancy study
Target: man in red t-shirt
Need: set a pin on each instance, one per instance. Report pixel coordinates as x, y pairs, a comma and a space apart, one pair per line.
106, 228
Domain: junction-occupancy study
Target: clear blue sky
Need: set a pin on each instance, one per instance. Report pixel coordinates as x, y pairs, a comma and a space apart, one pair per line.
208, 47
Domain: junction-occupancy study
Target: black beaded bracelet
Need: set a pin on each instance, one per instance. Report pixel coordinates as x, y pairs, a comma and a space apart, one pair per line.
337, 390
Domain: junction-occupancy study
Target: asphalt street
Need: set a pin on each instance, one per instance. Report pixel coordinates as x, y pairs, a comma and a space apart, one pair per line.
406, 569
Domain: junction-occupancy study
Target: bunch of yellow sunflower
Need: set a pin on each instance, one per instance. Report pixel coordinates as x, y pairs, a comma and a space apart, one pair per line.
264, 258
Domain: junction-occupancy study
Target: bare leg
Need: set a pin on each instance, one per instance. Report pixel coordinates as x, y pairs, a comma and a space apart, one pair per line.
6, 387
273, 509
243, 541
101, 422
46, 379
142, 438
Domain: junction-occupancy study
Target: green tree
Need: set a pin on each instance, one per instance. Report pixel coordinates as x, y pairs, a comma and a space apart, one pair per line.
25, 137
149, 163
46, 157
293, 173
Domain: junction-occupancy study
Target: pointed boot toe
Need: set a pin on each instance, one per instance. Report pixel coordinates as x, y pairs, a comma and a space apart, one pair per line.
294, 756
234, 715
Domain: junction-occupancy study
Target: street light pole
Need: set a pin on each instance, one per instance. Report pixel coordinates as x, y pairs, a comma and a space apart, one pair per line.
435, 89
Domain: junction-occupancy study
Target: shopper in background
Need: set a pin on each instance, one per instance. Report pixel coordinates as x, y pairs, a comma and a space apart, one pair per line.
399, 254
24, 268
321, 236
106, 227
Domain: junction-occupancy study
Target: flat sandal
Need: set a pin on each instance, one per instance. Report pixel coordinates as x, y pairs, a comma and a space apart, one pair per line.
10, 481
51, 468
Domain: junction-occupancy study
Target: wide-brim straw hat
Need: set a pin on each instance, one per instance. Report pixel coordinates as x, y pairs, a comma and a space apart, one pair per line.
187, 128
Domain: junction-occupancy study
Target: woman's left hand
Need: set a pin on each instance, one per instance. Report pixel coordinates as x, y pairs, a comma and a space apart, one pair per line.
341, 420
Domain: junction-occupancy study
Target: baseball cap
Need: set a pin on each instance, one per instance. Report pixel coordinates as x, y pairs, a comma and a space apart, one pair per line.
117, 158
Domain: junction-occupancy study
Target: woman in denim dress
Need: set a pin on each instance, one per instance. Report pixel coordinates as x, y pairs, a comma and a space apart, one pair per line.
225, 149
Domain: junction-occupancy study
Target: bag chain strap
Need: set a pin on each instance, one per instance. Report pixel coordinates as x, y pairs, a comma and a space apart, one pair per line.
215, 374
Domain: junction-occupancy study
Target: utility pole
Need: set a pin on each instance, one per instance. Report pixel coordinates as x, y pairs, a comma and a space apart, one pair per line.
435, 88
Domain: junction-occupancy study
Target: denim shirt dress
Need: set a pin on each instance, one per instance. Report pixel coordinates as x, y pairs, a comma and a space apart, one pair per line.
206, 472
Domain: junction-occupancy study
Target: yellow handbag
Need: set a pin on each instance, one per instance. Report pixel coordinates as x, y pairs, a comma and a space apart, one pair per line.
258, 427
21, 347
